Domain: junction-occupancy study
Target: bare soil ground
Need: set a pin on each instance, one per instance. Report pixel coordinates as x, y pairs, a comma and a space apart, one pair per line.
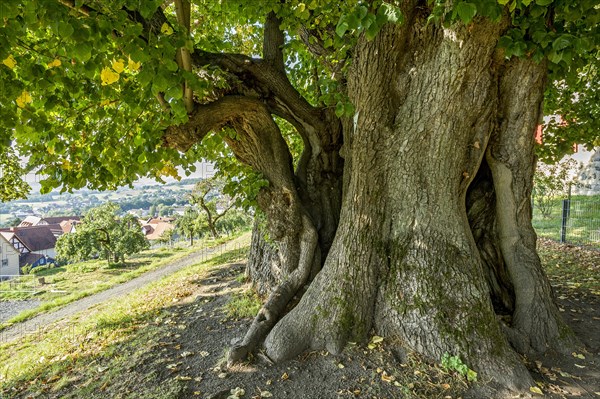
184, 356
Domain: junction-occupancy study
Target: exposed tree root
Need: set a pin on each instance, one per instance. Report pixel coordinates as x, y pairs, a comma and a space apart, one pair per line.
279, 299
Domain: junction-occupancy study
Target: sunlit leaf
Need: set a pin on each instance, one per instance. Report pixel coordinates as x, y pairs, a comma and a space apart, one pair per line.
108, 76
10, 61
166, 29
23, 99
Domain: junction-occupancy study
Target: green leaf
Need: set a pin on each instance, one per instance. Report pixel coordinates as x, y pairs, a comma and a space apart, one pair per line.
372, 31
537, 11
341, 27
148, 7
9, 9
339, 109
65, 29
555, 56
82, 52
348, 109
543, 2
391, 13
466, 11
175, 92
160, 83
583, 45
562, 42
518, 49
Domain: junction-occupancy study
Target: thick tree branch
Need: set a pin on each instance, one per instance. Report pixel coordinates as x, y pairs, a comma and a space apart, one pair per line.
273, 42
257, 74
207, 117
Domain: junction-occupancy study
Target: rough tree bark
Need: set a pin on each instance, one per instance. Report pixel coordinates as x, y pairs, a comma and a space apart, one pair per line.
536, 322
404, 261
432, 238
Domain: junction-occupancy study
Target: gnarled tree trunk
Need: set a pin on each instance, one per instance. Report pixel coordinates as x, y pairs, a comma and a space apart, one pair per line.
431, 240
404, 261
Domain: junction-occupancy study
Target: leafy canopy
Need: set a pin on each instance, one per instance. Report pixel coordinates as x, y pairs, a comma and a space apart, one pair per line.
88, 87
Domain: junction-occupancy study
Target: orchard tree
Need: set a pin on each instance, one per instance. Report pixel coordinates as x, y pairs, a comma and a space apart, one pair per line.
208, 197
407, 211
102, 233
190, 224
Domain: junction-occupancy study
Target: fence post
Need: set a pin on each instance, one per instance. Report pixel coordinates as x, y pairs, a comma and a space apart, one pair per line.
566, 208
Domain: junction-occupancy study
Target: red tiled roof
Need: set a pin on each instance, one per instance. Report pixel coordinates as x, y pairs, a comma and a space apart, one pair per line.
158, 229
60, 219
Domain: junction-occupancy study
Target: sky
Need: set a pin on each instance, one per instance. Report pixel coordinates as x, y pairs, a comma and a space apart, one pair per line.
205, 170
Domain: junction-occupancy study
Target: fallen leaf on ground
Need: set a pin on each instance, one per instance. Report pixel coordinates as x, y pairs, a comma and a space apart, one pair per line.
536, 390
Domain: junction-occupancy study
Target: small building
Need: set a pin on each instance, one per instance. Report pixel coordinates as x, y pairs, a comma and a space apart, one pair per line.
31, 221
35, 244
9, 258
154, 228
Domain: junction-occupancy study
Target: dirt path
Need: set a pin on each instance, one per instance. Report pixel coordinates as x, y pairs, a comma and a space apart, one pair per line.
38, 323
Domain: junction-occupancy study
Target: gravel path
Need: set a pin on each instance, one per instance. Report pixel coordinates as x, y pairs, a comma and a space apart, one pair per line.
38, 323
9, 309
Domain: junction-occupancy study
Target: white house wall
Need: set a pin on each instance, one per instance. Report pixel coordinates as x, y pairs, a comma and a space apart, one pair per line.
9, 259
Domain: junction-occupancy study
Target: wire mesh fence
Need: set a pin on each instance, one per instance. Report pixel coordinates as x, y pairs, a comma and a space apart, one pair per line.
575, 220
28, 283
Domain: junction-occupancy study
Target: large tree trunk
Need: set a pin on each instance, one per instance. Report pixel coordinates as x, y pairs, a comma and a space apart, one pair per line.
404, 261
434, 239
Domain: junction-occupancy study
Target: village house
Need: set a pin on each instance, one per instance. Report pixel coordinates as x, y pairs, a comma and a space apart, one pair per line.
67, 223
35, 244
154, 228
9, 259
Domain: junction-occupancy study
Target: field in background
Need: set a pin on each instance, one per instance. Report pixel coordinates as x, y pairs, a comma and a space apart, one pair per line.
581, 220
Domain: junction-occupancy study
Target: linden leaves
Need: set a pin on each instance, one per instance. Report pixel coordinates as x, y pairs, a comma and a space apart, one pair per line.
110, 75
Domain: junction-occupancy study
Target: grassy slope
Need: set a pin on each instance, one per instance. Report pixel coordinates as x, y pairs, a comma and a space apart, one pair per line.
46, 361
96, 352
69, 283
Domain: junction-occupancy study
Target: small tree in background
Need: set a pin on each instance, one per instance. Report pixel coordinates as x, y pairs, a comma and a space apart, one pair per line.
552, 181
167, 237
208, 196
189, 224
102, 233
233, 221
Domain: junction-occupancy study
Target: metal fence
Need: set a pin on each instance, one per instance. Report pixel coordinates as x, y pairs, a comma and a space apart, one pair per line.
27, 283
575, 220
